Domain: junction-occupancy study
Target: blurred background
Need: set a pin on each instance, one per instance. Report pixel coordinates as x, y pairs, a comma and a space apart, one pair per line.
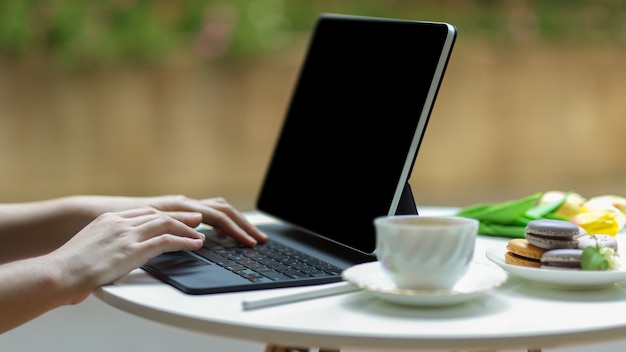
135, 97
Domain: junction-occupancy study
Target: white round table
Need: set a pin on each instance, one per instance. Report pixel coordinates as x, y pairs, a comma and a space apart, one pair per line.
516, 315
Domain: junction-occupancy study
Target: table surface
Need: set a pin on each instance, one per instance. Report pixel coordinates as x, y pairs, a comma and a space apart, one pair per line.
516, 315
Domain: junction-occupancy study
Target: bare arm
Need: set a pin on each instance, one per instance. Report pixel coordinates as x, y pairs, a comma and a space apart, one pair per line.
105, 250
37, 228
54, 253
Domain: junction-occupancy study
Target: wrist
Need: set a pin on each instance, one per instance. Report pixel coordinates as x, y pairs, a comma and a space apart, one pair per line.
60, 278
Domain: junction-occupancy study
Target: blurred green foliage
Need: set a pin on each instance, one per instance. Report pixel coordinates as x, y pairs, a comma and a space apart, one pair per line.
83, 33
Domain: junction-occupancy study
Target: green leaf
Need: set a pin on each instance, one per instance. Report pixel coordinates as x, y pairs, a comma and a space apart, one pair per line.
591, 259
556, 217
501, 213
541, 211
475, 210
522, 221
511, 231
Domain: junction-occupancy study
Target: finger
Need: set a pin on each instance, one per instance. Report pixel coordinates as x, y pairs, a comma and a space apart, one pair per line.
225, 219
169, 243
225, 226
162, 223
191, 219
218, 213
237, 218
143, 215
133, 213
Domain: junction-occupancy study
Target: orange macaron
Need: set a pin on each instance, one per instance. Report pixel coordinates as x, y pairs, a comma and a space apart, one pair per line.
521, 252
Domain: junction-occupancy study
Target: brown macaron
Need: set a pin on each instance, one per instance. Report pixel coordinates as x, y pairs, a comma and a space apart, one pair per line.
521, 252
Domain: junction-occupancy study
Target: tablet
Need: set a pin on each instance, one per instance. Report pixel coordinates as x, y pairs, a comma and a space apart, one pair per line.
352, 130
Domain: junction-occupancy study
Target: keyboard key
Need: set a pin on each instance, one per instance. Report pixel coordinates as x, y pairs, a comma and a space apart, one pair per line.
269, 261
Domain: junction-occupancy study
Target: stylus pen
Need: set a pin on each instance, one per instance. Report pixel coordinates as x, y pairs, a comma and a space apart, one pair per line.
314, 292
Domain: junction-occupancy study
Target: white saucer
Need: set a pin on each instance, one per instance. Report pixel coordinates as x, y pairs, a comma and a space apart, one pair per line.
479, 279
559, 278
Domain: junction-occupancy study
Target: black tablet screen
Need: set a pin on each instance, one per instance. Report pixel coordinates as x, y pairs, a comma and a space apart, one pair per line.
354, 124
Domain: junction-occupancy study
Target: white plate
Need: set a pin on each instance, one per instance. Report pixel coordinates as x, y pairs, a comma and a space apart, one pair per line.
558, 278
479, 279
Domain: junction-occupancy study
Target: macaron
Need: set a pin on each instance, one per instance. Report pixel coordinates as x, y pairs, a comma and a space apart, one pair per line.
520, 252
603, 241
552, 234
564, 258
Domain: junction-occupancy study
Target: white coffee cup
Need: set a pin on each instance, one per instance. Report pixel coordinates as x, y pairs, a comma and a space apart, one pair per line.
425, 252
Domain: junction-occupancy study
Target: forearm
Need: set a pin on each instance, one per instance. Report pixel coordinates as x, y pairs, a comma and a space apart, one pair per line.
36, 228
30, 288
104, 250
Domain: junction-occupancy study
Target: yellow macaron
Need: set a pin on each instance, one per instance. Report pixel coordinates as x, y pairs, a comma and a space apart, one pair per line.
521, 252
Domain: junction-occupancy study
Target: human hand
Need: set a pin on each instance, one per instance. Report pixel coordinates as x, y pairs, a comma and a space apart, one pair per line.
216, 212
116, 243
